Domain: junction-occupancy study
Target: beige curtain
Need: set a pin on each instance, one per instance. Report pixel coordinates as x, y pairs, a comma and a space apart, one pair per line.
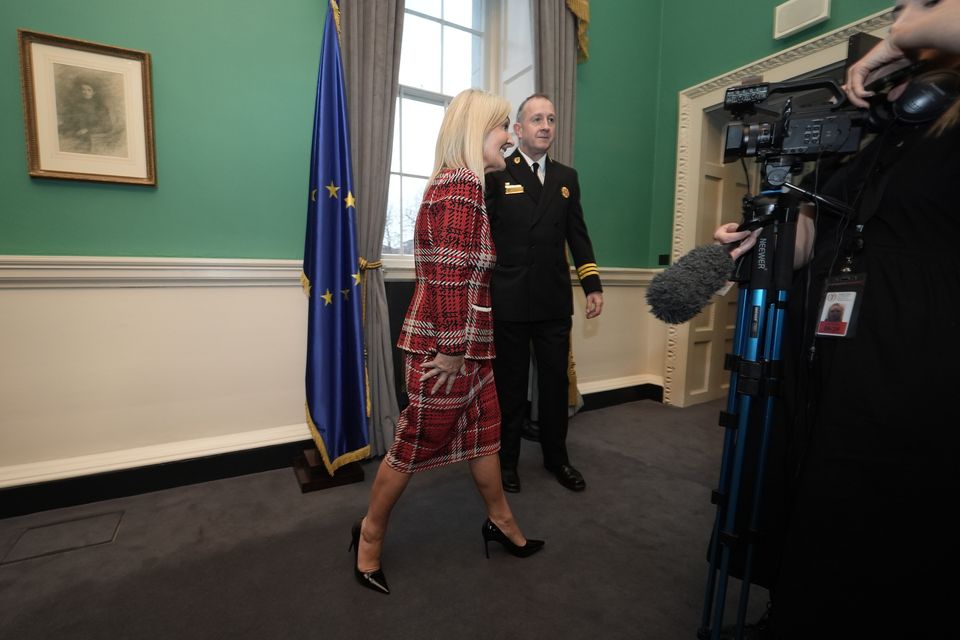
556, 49
370, 39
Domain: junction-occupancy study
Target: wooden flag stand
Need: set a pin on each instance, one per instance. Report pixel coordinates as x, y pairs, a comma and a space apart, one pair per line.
312, 474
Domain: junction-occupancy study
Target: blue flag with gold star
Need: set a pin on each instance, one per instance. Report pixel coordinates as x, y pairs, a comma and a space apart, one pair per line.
336, 376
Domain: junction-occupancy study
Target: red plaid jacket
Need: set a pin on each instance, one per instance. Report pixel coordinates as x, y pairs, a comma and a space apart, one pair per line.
454, 257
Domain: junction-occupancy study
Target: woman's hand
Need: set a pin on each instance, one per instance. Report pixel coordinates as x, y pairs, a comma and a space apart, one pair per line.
918, 25
878, 58
727, 234
444, 368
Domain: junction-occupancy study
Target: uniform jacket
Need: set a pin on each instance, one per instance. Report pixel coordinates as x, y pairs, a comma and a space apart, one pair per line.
454, 256
531, 224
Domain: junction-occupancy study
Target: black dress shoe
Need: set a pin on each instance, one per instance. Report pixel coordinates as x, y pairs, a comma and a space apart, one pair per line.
510, 480
568, 477
530, 431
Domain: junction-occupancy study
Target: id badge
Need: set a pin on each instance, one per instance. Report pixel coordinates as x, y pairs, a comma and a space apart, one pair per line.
840, 305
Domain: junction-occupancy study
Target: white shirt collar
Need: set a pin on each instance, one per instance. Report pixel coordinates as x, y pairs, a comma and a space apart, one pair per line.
541, 163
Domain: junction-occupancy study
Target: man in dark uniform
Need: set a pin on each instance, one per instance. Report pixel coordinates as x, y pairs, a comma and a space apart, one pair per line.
534, 209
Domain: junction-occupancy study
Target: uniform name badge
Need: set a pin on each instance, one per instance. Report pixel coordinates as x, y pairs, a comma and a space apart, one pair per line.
509, 189
840, 306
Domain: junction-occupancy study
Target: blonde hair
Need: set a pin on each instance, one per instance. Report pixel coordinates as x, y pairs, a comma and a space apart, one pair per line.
470, 117
948, 119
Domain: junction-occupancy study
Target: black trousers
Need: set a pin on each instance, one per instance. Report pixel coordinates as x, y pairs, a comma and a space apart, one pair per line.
511, 370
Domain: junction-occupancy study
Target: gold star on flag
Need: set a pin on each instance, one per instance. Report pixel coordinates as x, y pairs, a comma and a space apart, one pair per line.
350, 200
356, 278
346, 293
327, 298
332, 189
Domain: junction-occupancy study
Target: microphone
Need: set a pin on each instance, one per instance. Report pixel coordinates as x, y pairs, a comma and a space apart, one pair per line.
682, 290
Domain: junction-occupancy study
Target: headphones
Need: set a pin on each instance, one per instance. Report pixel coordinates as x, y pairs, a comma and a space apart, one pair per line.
925, 98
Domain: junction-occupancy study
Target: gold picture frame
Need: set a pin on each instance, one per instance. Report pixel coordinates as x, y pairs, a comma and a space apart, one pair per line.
88, 110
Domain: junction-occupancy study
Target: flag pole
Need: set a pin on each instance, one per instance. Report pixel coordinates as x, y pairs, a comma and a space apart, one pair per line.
335, 378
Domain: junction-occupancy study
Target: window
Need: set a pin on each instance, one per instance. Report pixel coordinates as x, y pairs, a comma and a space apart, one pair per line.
448, 46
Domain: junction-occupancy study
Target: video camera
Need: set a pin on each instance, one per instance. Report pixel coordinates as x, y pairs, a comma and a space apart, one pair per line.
832, 127
805, 133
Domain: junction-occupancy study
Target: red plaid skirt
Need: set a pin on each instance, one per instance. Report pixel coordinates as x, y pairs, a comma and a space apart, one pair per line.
441, 428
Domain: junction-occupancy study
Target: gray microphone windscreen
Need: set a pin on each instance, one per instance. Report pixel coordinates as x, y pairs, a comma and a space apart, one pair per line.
682, 290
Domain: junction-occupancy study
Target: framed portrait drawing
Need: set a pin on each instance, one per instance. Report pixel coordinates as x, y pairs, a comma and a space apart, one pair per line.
88, 110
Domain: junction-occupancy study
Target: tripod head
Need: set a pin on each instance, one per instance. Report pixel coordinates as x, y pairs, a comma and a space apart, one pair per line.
775, 211
773, 203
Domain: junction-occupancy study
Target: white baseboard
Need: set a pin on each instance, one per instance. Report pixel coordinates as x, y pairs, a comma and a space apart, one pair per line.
625, 382
45, 471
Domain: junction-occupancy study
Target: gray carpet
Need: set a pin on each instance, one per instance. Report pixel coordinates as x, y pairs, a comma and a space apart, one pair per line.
252, 557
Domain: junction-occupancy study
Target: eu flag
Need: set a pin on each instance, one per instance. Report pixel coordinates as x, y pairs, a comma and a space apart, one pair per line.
335, 376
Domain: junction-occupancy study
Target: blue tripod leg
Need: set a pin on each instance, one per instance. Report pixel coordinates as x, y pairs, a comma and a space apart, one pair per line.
773, 349
748, 374
719, 497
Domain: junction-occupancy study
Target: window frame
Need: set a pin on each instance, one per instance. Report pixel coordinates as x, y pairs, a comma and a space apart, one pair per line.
491, 39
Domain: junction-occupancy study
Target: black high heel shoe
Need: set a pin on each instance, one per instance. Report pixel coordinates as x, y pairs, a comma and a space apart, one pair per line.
492, 533
370, 579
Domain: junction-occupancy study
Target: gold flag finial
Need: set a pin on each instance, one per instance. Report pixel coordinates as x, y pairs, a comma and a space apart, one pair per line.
336, 17
581, 12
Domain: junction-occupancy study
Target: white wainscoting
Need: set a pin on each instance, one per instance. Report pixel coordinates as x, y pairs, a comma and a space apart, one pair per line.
115, 363
625, 346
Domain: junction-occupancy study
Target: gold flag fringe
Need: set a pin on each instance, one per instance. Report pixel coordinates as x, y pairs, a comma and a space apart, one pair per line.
333, 465
305, 283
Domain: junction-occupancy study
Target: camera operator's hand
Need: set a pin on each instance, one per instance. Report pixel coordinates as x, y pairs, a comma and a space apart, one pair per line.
875, 64
920, 29
727, 234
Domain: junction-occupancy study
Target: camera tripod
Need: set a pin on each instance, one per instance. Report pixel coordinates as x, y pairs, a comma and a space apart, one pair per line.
763, 277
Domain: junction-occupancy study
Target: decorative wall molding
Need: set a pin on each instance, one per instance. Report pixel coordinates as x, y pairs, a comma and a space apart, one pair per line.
870, 23
66, 272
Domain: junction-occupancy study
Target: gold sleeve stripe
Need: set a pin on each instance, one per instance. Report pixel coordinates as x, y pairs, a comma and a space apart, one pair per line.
588, 267
585, 274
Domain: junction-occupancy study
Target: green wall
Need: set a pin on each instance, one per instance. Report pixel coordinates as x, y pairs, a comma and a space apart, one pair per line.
616, 128
234, 84
642, 54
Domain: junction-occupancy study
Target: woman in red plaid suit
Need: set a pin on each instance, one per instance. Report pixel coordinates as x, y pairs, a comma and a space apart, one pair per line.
447, 337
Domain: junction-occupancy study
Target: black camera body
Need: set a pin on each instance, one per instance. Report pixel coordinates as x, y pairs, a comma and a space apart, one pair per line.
802, 134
